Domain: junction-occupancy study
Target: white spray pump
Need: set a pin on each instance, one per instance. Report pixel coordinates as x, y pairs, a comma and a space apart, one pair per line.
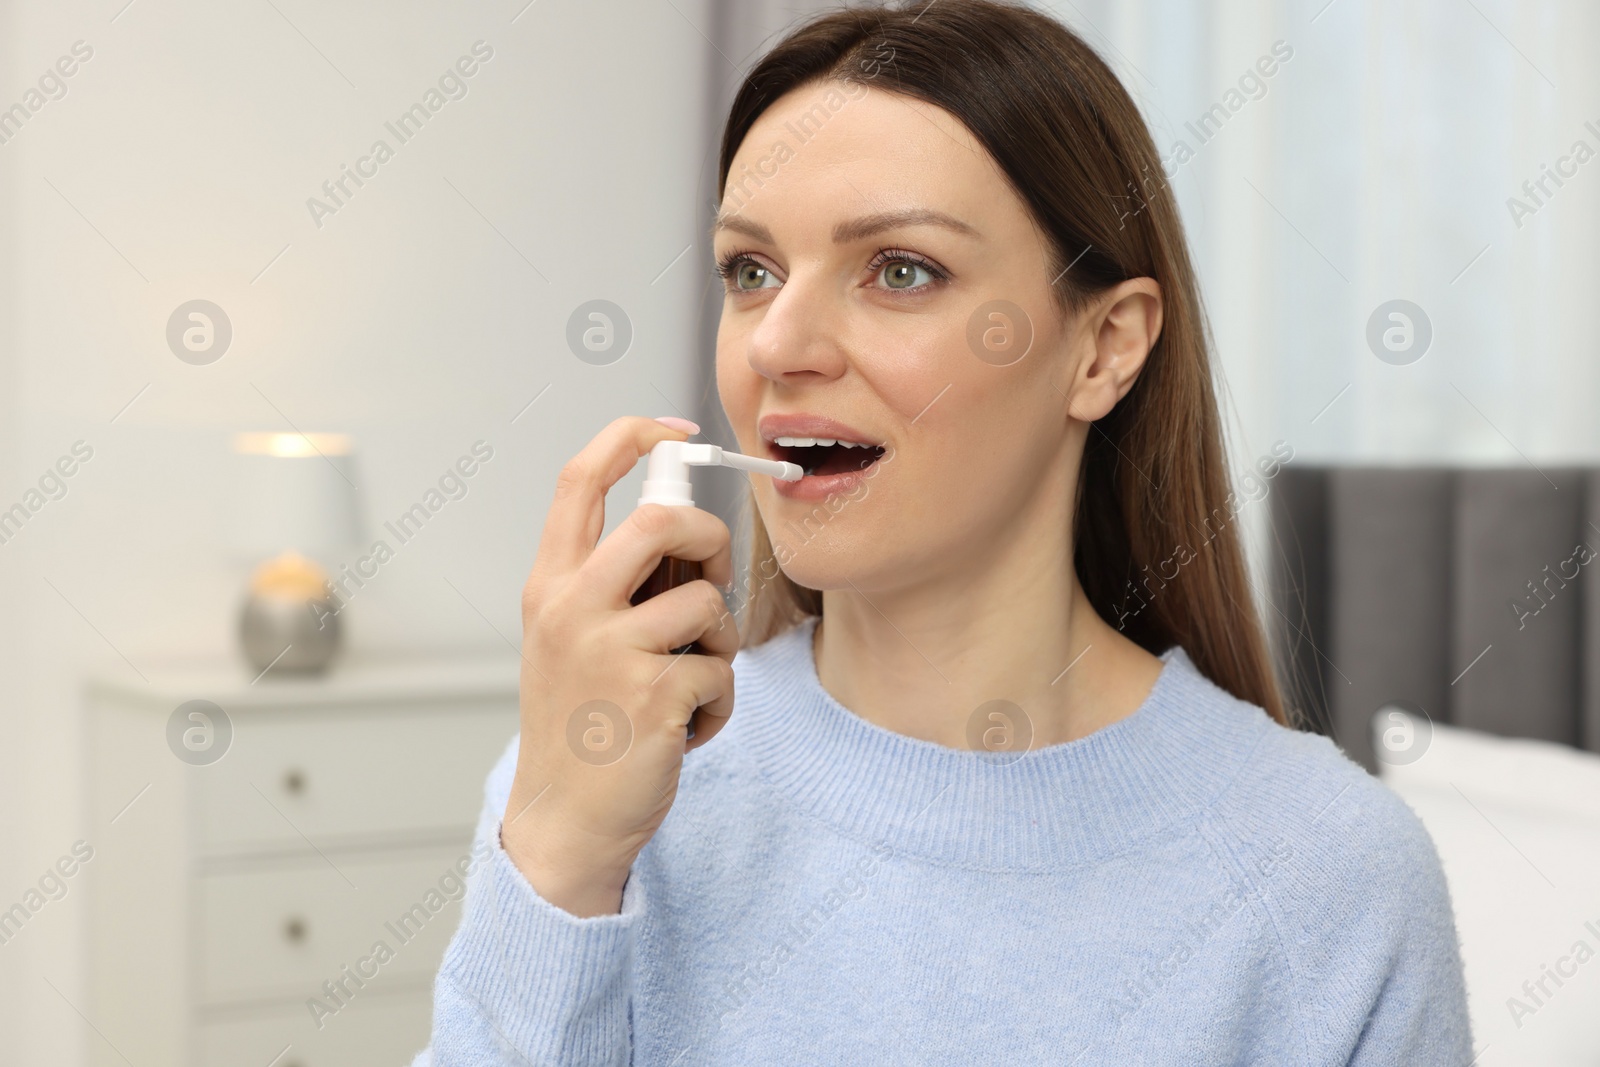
666, 481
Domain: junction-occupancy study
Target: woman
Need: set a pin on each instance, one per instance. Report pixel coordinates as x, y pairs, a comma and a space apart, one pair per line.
999, 772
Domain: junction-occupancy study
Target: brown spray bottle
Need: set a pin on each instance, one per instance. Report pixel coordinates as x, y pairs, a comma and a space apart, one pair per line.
667, 482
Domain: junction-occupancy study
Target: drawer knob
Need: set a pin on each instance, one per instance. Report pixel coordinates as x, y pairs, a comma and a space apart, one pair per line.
294, 781
295, 930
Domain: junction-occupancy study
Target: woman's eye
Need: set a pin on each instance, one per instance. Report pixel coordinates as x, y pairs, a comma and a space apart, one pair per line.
903, 274
748, 274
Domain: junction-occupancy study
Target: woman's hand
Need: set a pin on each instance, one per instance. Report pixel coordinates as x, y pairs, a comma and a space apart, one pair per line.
605, 706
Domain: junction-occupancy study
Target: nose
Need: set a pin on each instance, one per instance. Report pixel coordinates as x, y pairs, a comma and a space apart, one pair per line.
797, 339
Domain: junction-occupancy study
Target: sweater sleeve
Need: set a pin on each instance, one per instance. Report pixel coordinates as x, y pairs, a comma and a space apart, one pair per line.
1358, 906
1420, 1012
524, 982
1367, 914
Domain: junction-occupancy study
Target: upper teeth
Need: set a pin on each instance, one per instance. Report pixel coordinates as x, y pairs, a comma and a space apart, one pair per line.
810, 442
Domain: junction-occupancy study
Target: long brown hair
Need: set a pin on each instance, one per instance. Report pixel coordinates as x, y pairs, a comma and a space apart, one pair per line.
1074, 146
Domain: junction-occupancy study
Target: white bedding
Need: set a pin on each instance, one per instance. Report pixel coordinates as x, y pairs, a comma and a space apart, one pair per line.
1517, 826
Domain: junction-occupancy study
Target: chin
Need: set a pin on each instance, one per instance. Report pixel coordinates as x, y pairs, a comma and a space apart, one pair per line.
831, 555
837, 522
827, 530
809, 568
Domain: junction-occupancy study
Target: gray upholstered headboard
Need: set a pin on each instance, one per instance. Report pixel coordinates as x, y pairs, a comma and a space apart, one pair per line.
1471, 593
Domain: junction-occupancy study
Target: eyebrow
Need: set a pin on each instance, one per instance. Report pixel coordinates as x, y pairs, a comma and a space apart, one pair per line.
854, 229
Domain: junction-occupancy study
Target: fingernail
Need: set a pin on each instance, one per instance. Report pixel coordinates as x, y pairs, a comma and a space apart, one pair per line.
678, 424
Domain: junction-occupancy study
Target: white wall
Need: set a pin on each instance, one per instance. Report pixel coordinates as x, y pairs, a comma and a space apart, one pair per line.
176, 167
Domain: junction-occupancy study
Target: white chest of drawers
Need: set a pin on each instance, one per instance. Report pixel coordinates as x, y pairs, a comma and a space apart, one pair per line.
229, 900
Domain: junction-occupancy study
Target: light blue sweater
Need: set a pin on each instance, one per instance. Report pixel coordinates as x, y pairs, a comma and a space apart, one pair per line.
1193, 884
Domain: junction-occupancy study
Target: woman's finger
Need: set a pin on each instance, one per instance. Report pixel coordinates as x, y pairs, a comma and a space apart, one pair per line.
633, 550
710, 718
577, 516
691, 613
703, 682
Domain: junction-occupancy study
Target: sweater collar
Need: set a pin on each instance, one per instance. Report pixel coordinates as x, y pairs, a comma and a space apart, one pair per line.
1067, 803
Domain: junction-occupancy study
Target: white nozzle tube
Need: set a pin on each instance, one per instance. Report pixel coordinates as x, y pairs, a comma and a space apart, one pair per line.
666, 479
776, 467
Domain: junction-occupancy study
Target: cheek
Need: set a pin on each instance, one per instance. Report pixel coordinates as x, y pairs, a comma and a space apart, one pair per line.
913, 374
993, 431
739, 390
943, 398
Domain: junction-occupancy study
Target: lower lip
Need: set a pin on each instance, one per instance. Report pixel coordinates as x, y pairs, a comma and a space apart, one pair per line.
822, 486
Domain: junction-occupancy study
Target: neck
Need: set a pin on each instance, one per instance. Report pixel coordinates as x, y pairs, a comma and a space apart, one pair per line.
1013, 625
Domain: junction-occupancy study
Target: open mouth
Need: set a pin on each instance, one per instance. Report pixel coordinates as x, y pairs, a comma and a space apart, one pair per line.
821, 456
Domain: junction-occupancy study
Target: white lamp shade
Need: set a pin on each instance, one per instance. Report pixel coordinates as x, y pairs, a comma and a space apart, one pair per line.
295, 492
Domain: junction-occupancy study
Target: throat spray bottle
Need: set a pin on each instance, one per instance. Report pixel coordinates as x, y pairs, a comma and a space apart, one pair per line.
667, 482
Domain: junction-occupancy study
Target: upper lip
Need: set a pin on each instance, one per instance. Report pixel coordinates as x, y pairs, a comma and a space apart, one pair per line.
802, 424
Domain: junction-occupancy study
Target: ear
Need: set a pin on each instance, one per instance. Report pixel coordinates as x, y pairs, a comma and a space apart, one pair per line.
1115, 335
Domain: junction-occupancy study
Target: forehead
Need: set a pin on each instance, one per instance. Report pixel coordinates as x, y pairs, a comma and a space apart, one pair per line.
830, 150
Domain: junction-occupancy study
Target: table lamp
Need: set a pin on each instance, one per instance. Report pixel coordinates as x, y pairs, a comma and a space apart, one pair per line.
295, 514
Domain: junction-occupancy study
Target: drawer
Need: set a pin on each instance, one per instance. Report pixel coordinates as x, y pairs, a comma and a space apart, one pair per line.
292, 780
281, 933
383, 1031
